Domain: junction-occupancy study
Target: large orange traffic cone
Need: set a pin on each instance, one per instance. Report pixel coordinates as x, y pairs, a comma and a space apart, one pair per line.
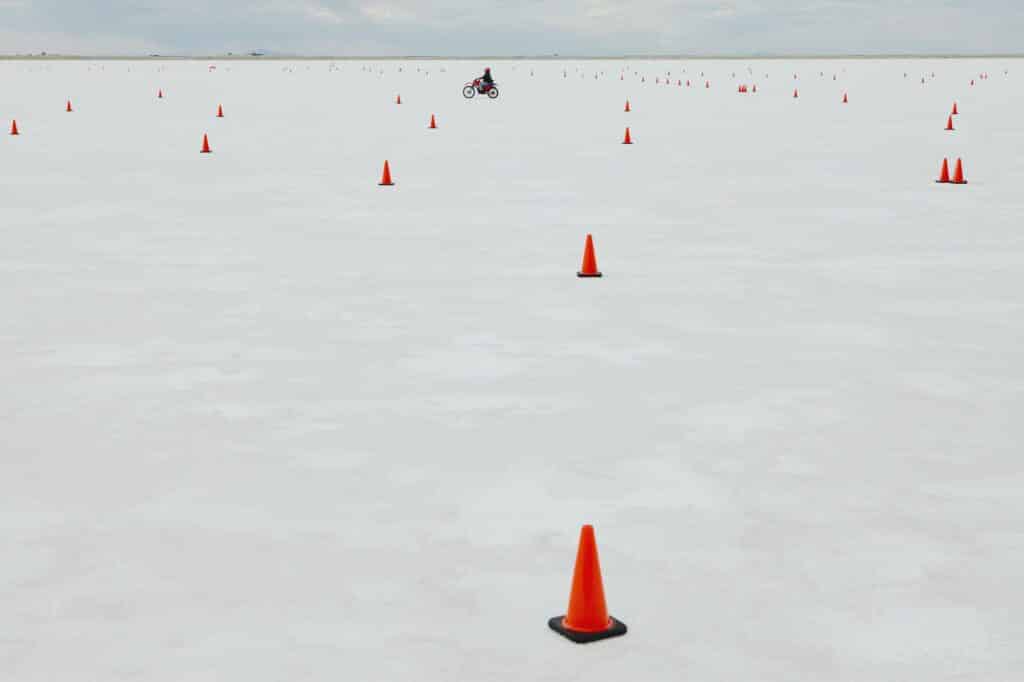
433, 123
627, 139
206, 145
949, 123
958, 174
627, 109
589, 267
385, 179
220, 111
14, 128
955, 112
68, 108
587, 619
944, 173
398, 100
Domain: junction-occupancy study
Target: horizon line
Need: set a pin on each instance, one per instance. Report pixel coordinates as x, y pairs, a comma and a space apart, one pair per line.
43, 56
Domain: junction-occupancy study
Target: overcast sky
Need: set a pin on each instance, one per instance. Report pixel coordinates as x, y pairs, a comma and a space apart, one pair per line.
511, 27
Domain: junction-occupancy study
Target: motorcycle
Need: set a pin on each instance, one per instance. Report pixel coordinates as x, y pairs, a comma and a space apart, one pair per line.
478, 86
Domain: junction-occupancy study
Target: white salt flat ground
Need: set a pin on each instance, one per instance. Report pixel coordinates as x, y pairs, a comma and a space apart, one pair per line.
264, 420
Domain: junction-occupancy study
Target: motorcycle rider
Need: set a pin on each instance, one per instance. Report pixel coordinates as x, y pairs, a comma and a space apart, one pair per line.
486, 80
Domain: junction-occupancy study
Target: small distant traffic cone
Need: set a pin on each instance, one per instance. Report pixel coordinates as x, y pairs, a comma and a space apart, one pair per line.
707, 84
754, 89
627, 109
587, 619
159, 94
949, 123
795, 94
398, 100
627, 139
68, 108
206, 145
944, 173
433, 123
958, 174
220, 111
846, 100
589, 267
14, 128
385, 179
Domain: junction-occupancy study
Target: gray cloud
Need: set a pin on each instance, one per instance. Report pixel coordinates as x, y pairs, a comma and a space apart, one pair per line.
499, 27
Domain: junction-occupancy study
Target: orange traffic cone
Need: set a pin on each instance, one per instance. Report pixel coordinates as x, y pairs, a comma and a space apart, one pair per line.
385, 179
955, 112
795, 94
68, 108
206, 145
433, 123
846, 100
944, 173
159, 94
707, 84
587, 619
589, 267
14, 128
220, 111
627, 109
627, 139
958, 174
949, 123
398, 100
755, 88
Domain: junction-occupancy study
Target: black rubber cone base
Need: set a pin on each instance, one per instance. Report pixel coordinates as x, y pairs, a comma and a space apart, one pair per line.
616, 629
584, 274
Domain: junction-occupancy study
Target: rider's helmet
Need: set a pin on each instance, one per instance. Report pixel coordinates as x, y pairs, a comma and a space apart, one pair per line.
487, 70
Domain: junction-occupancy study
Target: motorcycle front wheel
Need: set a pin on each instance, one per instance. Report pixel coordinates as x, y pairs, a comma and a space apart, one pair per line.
468, 92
